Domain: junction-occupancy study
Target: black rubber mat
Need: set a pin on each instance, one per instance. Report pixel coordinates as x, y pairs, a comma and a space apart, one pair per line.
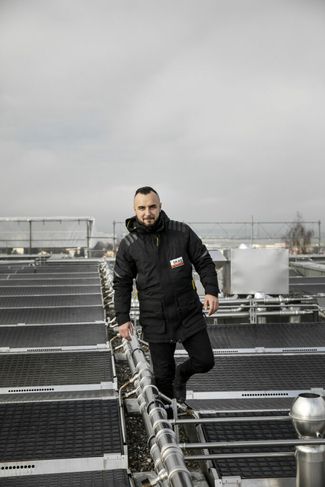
85, 314
310, 289
293, 273
269, 403
48, 290
30, 336
105, 478
314, 280
10, 269
307, 285
73, 262
262, 373
72, 269
54, 368
41, 281
252, 468
277, 335
61, 429
48, 275
45, 301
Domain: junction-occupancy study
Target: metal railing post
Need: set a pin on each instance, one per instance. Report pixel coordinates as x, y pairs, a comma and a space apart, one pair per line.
30, 237
114, 237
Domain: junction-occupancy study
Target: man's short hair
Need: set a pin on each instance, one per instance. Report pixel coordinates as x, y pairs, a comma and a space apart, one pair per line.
145, 190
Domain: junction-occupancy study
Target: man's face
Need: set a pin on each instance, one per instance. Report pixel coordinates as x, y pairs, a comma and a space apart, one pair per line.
147, 208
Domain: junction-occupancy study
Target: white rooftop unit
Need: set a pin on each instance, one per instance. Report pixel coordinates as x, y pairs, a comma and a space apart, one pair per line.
250, 271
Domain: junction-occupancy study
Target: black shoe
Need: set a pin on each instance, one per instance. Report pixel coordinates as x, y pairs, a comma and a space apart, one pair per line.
169, 411
179, 387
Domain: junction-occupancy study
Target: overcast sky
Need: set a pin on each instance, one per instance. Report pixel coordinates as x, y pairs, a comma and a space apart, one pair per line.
218, 104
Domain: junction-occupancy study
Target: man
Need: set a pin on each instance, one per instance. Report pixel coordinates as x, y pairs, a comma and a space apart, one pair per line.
159, 253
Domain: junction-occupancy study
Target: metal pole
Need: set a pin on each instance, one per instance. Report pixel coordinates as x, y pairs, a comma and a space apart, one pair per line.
89, 231
30, 237
114, 237
284, 313
319, 236
222, 456
253, 443
232, 419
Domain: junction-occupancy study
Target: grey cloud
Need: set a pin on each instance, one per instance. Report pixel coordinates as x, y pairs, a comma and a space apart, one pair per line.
218, 104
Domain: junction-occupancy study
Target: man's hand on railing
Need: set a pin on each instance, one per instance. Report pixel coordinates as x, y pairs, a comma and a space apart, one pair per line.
126, 330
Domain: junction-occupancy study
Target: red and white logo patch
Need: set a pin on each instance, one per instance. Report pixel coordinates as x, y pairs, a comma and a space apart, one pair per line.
178, 262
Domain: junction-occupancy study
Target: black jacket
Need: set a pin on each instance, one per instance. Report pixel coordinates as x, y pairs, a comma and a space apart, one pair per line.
160, 260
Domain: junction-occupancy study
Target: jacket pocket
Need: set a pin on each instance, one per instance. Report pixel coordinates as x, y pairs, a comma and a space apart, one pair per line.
189, 306
152, 317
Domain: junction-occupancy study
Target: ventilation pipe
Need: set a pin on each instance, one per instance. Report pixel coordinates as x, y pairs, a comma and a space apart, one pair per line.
308, 415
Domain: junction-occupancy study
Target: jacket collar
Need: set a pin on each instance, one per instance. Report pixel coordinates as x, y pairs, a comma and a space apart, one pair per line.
133, 225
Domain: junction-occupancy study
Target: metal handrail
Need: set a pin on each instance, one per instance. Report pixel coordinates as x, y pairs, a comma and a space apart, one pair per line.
222, 456
164, 449
232, 419
253, 443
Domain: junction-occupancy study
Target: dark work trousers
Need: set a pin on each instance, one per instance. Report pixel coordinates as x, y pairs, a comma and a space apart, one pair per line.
200, 360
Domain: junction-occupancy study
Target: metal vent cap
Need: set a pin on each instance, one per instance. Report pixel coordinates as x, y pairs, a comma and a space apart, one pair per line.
308, 415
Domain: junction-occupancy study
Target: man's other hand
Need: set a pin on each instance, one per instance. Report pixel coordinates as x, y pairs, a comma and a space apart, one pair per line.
211, 304
126, 330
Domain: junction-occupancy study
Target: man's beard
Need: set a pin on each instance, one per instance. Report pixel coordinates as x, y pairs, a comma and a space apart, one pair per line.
148, 222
